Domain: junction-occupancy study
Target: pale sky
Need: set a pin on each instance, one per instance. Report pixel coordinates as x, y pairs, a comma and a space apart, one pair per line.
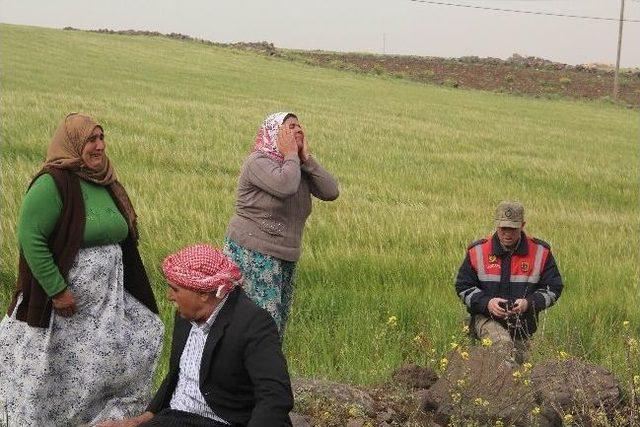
358, 25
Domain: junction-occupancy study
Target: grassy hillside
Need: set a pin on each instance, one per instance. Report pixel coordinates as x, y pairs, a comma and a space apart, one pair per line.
420, 167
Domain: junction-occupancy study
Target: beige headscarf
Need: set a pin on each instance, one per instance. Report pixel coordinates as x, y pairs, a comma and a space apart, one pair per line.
65, 152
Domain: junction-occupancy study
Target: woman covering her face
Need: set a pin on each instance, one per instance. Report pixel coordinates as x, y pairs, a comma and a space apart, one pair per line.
273, 203
82, 336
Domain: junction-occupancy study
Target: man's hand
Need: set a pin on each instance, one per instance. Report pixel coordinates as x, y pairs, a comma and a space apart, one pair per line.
520, 306
495, 309
128, 422
64, 303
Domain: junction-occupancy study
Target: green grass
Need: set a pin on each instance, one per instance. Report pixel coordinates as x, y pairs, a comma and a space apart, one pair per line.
420, 168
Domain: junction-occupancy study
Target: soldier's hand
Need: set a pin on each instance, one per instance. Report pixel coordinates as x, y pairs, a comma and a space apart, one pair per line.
520, 306
496, 309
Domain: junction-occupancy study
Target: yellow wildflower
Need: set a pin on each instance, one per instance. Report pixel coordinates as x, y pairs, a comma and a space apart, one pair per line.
456, 397
465, 329
478, 401
633, 344
568, 419
527, 366
444, 363
536, 411
626, 324
601, 418
636, 379
392, 321
499, 424
517, 375
454, 345
527, 382
354, 411
563, 355
461, 382
464, 355
486, 342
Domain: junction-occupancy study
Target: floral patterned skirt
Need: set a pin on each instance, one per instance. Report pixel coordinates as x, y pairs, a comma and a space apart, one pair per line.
95, 365
268, 280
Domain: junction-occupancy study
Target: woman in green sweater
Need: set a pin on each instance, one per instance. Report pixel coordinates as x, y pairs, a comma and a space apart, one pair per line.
82, 336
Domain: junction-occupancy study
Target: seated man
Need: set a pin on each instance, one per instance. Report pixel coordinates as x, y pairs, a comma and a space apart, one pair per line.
506, 280
226, 365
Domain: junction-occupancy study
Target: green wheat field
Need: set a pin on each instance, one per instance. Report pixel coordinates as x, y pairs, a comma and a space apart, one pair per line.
420, 169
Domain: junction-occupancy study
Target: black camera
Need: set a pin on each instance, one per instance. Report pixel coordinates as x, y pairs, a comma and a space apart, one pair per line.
506, 305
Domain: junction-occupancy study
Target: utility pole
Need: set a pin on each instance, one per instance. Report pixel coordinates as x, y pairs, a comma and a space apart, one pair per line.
615, 78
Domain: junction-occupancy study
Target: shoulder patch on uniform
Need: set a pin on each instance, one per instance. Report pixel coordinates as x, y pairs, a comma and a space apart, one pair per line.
476, 243
542, 242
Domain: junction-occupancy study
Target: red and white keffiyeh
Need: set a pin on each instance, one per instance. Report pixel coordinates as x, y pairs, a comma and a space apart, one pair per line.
268, 136
202, 268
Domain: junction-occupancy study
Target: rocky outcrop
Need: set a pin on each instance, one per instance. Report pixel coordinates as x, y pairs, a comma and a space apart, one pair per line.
583, 390
480, 384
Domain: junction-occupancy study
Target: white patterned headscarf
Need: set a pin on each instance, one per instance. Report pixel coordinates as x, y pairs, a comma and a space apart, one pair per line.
267, 137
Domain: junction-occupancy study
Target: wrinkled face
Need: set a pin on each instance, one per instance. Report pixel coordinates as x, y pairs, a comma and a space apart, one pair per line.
293, 124
509, 236
190, 304
93, 151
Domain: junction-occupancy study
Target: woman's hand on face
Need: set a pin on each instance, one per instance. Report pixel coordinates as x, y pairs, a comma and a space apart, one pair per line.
303, 151
286, 141
64, 303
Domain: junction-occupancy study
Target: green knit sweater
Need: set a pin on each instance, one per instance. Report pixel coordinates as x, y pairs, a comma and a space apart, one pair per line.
39, 214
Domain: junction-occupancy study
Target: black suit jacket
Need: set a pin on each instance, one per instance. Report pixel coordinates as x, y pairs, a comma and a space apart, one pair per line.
243, 373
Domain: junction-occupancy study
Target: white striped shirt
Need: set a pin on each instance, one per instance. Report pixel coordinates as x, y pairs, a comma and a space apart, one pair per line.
187, 396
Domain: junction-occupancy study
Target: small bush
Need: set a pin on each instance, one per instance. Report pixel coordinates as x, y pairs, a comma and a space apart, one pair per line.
564, 81
449, 82
335, 63
426, 75
378, 69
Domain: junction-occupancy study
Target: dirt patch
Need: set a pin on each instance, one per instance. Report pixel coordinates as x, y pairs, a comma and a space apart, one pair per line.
520, 75
526, 76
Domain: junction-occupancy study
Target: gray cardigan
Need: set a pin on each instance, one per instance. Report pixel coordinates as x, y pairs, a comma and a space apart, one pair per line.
274, 201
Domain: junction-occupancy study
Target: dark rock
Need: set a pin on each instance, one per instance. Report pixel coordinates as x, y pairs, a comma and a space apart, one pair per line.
576, 387
386, 416
355, 422
415, 377
332, 391
481, 387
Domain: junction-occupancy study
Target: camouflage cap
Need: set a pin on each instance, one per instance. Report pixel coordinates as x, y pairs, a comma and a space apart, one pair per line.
509, 214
